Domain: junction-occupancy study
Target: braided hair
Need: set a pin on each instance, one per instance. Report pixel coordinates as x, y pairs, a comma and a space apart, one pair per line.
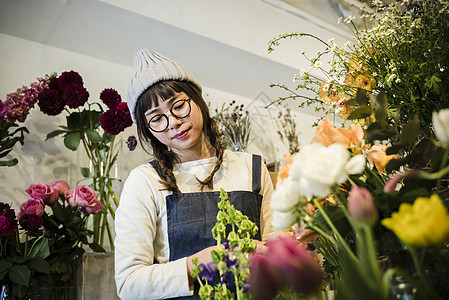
165, 157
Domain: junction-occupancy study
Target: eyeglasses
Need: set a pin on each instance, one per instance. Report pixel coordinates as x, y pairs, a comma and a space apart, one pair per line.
180, 109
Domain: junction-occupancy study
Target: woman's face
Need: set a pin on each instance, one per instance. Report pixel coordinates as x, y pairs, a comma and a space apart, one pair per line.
182, 134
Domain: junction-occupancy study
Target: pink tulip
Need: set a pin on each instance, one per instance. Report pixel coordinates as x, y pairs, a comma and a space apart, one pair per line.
33, 206
263, 281
361, 205
60, 187
44, 191
295, 264
285, 263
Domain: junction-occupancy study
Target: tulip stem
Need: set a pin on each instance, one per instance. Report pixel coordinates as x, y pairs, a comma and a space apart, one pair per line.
443, 163
427, 288
336, 232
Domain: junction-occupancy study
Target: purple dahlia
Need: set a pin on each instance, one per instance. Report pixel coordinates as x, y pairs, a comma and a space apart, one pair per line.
75, 96
51, 102
110, 97
67, 79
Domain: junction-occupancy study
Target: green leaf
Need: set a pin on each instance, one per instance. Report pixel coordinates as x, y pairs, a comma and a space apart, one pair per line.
74, 122
85, 172
5, 266
39, 265
93, 136
361, 112
361, 97
9, 163
375, 132
40, 248
410, 131
72, 140
20, 275
55, 133
96, 247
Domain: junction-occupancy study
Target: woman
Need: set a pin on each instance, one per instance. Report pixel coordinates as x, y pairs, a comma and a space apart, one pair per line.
168, 206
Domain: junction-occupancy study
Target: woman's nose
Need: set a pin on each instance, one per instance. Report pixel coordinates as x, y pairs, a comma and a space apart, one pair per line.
173, 122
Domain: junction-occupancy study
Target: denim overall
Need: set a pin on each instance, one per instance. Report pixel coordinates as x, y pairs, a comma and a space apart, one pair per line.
191, 216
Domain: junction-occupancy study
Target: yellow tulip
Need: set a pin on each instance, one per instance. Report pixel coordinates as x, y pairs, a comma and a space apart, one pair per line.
423, 224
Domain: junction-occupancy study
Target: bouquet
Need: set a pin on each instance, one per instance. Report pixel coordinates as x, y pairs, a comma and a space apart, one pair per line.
234, 125
96, 129
37, 247
380, 213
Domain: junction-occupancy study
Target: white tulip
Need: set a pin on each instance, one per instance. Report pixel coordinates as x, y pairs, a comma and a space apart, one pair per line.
440, 122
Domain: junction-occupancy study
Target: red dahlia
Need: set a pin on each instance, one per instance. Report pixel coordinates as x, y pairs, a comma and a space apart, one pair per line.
68, 79
110, 97
51, 102
75, 96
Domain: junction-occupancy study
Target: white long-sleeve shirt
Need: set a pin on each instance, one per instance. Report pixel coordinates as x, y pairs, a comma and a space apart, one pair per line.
142, 267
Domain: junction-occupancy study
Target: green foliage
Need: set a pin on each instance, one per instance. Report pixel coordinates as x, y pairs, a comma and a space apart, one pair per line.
232, 259
10, 134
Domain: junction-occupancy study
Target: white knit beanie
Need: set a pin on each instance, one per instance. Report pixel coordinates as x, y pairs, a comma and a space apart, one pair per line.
150, 68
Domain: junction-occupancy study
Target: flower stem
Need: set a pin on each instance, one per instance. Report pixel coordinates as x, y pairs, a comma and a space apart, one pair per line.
342, 241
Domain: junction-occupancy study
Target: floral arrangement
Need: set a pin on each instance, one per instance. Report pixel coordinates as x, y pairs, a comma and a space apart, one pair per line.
234, 125
37, 248
239, 271
14, 110
94, 128
382, 222
387, 54
231, 259
286, 129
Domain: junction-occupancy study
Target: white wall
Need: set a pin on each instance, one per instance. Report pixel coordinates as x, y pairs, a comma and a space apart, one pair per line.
26, 53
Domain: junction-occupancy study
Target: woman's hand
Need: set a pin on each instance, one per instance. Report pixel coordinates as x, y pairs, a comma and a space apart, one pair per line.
204, 257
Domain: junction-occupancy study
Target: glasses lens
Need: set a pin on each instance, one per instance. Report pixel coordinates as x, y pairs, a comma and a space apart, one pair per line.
158, 123
181, 108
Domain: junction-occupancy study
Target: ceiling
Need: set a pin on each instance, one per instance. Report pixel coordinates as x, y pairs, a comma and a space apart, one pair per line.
223, 43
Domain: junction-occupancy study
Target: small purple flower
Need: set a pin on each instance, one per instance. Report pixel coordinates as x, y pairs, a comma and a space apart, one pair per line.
131, 142
207, 271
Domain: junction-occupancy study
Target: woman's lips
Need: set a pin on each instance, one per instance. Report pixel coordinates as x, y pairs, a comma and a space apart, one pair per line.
181, 135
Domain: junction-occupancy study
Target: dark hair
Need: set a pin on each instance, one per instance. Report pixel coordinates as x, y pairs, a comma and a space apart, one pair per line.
165, 157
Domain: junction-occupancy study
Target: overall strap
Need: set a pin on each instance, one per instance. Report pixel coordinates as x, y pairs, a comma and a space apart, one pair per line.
257, 163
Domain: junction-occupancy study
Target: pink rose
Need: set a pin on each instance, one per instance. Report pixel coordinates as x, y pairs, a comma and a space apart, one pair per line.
93, 207
60, 186
33, 206
85, 197
42, 190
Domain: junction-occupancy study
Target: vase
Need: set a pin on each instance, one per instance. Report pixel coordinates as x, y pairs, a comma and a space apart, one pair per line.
104, 177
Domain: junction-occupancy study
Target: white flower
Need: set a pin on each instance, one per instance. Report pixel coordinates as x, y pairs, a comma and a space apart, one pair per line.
392, 77
326, 87
347, 43
348, 19
440, 122
302, 72
318, 168
356, 164
281, 220
286, 196
294, 78
333, 47
317, 64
